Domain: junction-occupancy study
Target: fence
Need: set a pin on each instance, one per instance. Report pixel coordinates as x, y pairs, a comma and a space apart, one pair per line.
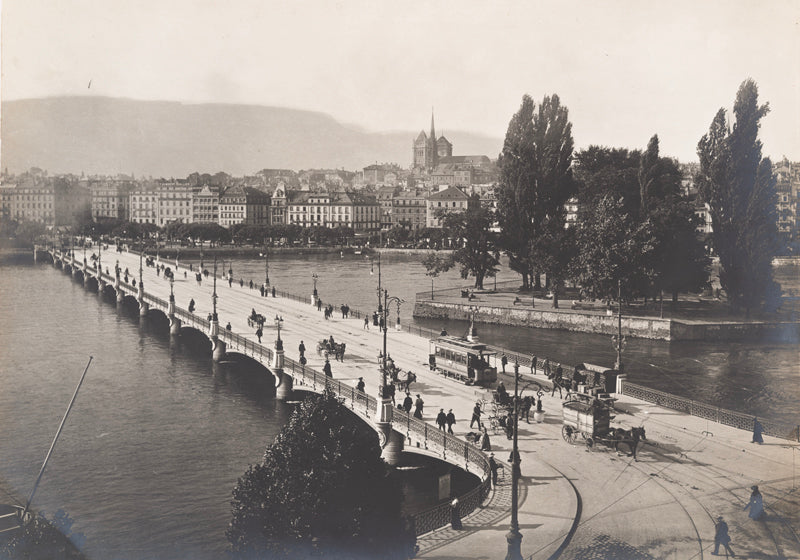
714, 413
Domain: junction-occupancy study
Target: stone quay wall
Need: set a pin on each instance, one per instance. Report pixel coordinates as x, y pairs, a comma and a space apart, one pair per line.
588, 322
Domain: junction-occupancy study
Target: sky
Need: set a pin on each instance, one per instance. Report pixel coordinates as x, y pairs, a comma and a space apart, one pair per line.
625, 69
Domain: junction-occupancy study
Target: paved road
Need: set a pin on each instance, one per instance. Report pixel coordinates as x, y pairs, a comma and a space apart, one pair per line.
591, 504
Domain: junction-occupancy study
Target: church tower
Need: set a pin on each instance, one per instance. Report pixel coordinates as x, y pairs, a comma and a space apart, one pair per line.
432, 158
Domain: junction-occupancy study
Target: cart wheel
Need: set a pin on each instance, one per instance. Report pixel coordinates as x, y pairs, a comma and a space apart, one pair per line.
568, 434
589, 442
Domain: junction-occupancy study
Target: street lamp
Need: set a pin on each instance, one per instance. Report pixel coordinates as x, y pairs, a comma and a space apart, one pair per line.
265, 254
171, 291
383, 404
371, 270
315, 277
472, 334
618, 341
141, 257
514, 537
279, 342
214, 294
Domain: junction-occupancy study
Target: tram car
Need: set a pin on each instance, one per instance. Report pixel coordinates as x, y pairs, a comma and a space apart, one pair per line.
462, 359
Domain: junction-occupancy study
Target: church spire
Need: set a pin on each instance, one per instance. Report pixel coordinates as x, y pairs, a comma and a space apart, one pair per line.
432, 140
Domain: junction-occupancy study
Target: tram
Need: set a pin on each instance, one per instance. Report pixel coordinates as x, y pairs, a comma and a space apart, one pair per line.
462, 359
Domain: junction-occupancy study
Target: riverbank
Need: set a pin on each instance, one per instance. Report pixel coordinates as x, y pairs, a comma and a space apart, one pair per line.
692, 318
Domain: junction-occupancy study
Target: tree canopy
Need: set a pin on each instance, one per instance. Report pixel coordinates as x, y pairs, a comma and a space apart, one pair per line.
477, 254
322, 490
739, 187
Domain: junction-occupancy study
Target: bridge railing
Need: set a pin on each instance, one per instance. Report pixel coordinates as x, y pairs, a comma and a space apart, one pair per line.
720, 415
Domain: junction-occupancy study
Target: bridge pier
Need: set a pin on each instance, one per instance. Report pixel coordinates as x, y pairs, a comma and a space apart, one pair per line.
174, 325
392, 443
283, 385
143, 308
120, 296
101, 285
218, 349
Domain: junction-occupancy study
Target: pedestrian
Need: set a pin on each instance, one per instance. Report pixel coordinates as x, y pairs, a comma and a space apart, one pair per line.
241, 283
455, 516
360, 385
494, 468
756, 504
533, 365
441, 419
510, 425
366, 323
342, 310
251, 284
391, 390
546, 367
525, 409
408, 402
721, 537
451, 419
476, 416
228, 326
757, 430
485, 444
503, 362
259, 334
273, 291
418, 404
262, 291
319, 304
302, 349
326, 369
191, 304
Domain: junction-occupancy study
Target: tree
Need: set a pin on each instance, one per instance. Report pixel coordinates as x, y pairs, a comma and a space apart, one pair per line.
555, 253
43, 538
477, 254
435, 265
739, 187
322, 490
613, 172
535, 178
614, 248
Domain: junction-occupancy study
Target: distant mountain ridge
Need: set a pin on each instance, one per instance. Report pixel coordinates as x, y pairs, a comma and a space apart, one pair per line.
171, 139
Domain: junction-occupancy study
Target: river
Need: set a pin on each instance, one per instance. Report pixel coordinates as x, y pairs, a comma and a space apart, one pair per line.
159, 436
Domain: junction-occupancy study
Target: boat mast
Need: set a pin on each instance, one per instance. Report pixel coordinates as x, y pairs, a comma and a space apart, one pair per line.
53, 445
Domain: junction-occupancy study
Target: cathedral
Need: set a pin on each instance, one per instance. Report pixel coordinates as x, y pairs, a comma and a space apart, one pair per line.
427, 150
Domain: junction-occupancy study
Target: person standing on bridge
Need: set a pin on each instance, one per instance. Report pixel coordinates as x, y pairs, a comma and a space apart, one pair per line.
191, 305
326, 369
418, 404
302, 349
259, 334
451, 419
533, 365
366, 323
493, 468
503, 362
476, 416
721, 537
757, 430
441, 419
273, 291
262, 290
408, 402
484, 442
360, 385
756, 504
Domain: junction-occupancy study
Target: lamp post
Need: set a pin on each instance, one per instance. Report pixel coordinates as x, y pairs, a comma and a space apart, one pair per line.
472, 334
618, 341
171, 291
279, 342
385, 404
141, 257
315, 277
214, 294
266, 263
380, 309
514, 537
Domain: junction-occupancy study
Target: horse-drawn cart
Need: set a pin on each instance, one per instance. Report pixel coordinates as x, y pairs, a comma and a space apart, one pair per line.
589, 420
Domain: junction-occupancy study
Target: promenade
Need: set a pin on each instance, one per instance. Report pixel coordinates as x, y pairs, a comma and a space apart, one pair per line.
574, 503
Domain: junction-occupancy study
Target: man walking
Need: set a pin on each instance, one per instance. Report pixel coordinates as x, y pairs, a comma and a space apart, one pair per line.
441, 419
476, 416
408, 402
721, 537
451, 419
302, 349
493, 467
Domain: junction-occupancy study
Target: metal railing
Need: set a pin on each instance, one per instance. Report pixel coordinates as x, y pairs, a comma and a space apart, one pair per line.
724, 416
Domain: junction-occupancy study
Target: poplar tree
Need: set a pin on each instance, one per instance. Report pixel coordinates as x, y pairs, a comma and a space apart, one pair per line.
739, 187
535, 179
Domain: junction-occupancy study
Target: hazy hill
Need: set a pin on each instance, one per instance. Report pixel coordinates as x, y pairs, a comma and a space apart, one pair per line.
161, 138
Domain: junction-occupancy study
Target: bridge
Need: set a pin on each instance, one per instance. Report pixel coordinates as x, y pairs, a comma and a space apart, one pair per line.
573, 501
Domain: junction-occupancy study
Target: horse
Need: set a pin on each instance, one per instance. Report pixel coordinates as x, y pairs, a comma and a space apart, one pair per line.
405, 379
629, 437
338, 351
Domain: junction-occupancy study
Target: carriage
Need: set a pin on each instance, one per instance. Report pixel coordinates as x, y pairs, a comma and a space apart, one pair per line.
256, 320
336, 350
462, 359
591, 420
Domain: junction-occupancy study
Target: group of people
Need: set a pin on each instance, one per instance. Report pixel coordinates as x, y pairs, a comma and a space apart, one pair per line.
721, 537
448, 420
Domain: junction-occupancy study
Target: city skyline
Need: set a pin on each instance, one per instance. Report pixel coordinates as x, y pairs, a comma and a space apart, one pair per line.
625, 71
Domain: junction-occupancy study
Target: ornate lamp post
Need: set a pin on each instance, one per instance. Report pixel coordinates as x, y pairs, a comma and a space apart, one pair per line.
265, 254
279, 342
171, 290
618, 341
514, 537
371, 270
472, 335
315, 277
385, 404
214, 317
141, 257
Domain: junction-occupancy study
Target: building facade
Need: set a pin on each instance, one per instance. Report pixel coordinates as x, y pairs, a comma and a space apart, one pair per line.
446, 201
